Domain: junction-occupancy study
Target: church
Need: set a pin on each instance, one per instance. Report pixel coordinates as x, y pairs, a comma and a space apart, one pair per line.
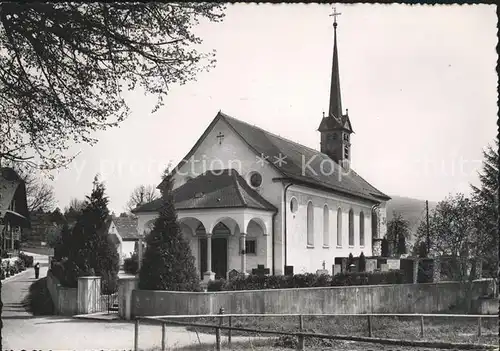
247, 197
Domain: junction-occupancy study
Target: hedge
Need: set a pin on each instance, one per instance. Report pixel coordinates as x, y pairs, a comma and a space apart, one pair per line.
308, 280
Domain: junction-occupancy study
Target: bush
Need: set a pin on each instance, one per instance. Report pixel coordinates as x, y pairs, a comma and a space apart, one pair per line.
19, 263
216, 285
13, 269
109, 283
27, 259
385, 247
2, 272
131, 264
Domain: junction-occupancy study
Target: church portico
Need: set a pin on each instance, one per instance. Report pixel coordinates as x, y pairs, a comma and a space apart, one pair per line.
225, 246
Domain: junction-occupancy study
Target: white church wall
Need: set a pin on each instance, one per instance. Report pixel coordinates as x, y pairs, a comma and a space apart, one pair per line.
234, 153
127, 248
310, 259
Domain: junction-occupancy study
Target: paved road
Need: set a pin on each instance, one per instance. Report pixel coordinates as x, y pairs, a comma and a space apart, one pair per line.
22, 330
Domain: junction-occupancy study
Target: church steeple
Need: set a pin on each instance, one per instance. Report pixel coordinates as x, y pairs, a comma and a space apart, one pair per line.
335, 97
336, 128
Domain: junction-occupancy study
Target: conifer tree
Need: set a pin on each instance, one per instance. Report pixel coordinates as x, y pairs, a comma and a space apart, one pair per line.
90, 251
168, 263
385, 247
487, 211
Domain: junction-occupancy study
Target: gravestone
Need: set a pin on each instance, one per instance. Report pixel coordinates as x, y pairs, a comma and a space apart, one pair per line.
384, 267
322, 271
232, 274
260, 270
336, 269
380, 261
371, 265
393, 263
288, 270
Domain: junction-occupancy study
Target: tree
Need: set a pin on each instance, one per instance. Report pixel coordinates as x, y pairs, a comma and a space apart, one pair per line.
40, 196
397, 228
63, 67
62, 246
168, 263
142, 195
401, 249
452, 234
90, 250
487, 220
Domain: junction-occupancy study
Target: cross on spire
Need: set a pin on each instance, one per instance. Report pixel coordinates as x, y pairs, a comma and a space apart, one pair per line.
335, 14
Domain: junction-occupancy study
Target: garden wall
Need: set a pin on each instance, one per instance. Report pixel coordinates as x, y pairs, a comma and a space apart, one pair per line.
398, 298
65, 299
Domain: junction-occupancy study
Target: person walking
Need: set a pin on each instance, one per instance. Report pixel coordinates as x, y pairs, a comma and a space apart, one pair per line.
37, 270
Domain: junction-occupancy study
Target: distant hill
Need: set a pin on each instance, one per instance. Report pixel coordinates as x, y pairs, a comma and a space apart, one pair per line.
413, 210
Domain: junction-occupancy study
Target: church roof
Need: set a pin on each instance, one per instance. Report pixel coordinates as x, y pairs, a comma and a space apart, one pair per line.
214, 189
301, 163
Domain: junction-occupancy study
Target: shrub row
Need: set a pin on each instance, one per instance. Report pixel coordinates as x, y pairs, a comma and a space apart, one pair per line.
7, 269
309, 280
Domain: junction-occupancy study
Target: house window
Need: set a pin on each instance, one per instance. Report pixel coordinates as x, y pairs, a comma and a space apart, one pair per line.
339, 227
361, 229
351, 228
310, 224
326, 226
346, 152
250, 246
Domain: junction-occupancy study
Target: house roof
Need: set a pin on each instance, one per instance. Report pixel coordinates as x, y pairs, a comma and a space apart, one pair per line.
214, 189
126, 227
12, 187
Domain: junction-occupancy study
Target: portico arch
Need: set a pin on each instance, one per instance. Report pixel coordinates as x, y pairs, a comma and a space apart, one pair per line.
228, 222
256, 224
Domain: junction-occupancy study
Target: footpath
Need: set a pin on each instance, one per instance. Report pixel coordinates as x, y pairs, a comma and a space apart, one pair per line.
21, 330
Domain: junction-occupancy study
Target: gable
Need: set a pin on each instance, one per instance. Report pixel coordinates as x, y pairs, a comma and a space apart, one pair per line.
211, 153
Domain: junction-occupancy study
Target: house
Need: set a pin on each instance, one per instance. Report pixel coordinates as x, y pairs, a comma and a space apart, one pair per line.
123, 233
14, 215
248, 197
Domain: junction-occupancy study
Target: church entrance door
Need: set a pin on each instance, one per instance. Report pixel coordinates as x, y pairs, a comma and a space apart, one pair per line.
219, 257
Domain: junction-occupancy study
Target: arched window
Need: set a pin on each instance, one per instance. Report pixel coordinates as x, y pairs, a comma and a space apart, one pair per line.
339, 227
310, 224
351, 227
361, 229
374, 225
326, 226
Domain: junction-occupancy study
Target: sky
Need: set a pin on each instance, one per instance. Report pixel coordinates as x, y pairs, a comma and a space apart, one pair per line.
419, 82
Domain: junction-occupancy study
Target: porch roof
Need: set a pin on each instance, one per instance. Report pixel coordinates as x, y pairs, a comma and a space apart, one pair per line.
214, 189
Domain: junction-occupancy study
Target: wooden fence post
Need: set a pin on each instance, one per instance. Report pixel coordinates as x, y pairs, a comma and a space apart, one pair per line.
422, 326
217, 338
136, 335
369, 325
300, 345
163, 337
229, 332
479, 326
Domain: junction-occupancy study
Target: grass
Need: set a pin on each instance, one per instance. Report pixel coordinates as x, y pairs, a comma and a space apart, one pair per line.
446, 329
38, 300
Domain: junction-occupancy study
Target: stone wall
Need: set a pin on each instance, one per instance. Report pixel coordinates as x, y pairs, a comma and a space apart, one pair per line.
65, 300
400, 298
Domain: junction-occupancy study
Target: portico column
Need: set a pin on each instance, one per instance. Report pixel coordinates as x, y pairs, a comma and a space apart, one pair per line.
209, 252
243, 245
209, 275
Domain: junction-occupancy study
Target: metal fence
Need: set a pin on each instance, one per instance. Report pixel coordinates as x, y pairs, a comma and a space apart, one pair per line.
225, 322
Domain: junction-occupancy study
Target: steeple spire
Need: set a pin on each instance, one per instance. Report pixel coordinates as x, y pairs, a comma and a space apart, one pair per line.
335, 98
